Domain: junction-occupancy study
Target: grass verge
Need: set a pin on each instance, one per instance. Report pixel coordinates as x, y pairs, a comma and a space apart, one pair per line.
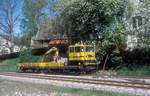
83, 92
9, 65
134, 71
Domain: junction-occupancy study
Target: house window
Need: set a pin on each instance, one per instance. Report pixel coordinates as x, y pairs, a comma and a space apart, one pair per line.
134, 22
141, 1
137, 21
4, 51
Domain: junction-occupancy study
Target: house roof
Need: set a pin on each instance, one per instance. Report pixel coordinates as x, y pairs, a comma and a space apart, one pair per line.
59, 41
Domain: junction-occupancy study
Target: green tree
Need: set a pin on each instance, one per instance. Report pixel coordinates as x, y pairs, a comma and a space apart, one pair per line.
33, 12
93, 17
98, 20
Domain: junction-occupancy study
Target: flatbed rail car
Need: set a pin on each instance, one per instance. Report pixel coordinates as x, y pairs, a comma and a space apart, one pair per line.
79, 57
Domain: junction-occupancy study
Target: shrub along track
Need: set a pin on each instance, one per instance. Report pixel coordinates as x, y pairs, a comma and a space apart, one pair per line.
140, 85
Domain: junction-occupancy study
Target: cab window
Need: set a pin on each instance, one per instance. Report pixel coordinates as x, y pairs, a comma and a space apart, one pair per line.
89, 49
79, 49
71, 49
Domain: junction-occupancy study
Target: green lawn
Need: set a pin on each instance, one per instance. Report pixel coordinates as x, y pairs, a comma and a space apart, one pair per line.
134, 71
82, 92
9, 65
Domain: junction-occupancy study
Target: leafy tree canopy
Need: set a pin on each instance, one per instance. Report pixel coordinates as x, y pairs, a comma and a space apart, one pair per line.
93, 17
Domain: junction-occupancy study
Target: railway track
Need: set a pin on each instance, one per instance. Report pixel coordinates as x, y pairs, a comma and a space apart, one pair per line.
140, 85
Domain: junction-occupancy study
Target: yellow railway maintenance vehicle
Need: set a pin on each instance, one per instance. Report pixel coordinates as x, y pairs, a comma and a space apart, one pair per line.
79, 57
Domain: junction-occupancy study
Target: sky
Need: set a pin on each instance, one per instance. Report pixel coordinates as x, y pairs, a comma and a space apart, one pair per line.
19, 12
16, 13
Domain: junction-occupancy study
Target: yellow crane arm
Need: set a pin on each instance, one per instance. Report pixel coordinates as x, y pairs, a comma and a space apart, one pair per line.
53, 49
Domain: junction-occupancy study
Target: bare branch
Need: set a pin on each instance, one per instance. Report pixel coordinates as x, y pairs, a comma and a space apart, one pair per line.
8, 20
5, 37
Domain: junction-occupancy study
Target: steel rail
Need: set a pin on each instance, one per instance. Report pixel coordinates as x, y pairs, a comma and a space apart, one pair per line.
83, 80
88, 79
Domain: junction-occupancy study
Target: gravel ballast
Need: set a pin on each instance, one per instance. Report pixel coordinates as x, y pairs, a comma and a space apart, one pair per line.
133, 91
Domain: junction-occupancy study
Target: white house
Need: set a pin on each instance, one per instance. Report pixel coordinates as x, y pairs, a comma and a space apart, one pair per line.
5, 46
134, 25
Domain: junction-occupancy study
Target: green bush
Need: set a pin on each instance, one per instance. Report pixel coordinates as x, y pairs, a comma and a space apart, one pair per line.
26, 56
136, 62
116, 58
137, 57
